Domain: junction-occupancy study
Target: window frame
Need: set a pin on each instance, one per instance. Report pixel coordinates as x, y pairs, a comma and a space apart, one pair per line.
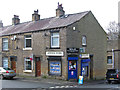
28, 59
4, 44
84, 40
111, 60
55, 36
3, 61
27, 38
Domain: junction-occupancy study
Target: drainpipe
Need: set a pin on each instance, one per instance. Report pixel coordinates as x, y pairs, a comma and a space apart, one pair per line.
113, 58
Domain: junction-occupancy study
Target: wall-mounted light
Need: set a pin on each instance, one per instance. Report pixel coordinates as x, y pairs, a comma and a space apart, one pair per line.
74, 28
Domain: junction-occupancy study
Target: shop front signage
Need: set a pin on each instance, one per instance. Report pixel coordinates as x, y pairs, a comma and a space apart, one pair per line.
84, 56
51, 53
72, 50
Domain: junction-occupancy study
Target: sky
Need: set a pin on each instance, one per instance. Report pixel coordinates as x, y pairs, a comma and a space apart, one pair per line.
105, 11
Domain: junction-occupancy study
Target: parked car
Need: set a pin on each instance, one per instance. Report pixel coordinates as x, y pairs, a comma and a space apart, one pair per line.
113, 75
7, 73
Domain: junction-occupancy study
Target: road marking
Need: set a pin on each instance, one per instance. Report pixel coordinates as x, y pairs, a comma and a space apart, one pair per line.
64, 87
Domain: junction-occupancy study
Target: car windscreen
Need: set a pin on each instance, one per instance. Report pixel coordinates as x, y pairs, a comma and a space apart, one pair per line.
7, 68
111, 71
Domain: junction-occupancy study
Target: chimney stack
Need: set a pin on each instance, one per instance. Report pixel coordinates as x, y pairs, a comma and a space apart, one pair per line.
15, 20
1, 24
35, 16
59, 11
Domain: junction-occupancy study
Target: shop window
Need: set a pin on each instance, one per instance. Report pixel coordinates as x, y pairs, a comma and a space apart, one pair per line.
28, 41
55, 40
109, 59
5, 44
28, 64
85, 71
72, 65
55, 67
5, 62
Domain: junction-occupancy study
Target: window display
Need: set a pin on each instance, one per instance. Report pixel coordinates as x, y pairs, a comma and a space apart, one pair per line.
55, 67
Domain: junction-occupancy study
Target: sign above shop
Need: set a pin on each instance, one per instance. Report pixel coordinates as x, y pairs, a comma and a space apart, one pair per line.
51, 53
72, 50
84, 56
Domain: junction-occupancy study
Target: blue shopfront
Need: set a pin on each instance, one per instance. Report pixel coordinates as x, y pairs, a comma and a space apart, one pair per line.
72, 67
85, 67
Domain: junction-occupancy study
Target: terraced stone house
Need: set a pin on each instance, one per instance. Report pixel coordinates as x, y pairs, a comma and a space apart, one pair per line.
65, 46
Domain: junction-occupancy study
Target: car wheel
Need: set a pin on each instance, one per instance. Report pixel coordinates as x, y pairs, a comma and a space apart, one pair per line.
11, 77
109, 81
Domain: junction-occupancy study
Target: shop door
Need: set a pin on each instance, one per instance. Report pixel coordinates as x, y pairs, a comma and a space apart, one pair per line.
72, 69
38, 66
85, 68
85, 71
13, 64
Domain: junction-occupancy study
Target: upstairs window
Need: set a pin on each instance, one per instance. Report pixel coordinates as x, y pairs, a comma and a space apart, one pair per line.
28, 41
84, 40
5, 44
55, 40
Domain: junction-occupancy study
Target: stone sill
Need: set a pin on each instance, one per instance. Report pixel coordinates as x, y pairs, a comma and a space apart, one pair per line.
27, 48
27, 71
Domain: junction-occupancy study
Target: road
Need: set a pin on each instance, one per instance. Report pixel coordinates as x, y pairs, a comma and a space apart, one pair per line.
53, 84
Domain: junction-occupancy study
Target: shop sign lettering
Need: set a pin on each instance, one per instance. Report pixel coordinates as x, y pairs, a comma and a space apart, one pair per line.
84, 56
72, 50
54, 54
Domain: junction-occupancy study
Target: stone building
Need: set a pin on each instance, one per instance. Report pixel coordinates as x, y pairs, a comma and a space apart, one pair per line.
64, 46
112, 54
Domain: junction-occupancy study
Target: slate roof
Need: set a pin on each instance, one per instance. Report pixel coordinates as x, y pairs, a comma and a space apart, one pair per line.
42, 24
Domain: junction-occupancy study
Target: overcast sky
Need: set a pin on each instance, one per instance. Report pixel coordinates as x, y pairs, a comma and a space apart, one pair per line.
105, 11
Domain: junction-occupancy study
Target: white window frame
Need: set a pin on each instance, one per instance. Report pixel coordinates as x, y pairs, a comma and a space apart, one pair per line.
6, 42
55, 36
27, 59
3, 60
25, 38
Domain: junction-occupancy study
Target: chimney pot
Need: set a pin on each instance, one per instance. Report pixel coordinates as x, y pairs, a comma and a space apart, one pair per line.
35, 16
15, 20
59, 11
1, 24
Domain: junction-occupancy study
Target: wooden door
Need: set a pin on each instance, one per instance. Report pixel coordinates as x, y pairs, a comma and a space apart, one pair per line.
13, 65
38, 66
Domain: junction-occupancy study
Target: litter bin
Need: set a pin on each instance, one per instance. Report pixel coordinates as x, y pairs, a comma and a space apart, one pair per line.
80, 81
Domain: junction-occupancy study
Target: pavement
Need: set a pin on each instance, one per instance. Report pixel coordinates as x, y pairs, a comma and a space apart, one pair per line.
57, 81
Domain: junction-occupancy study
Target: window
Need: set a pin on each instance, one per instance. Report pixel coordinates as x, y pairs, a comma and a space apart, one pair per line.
109, 59
55, 67
5, 44
84, 40
54, 40
5, 62
72, 65
28, 64
28, 41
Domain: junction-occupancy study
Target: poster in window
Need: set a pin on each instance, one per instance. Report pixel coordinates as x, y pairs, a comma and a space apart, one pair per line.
55, 67
72, 65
